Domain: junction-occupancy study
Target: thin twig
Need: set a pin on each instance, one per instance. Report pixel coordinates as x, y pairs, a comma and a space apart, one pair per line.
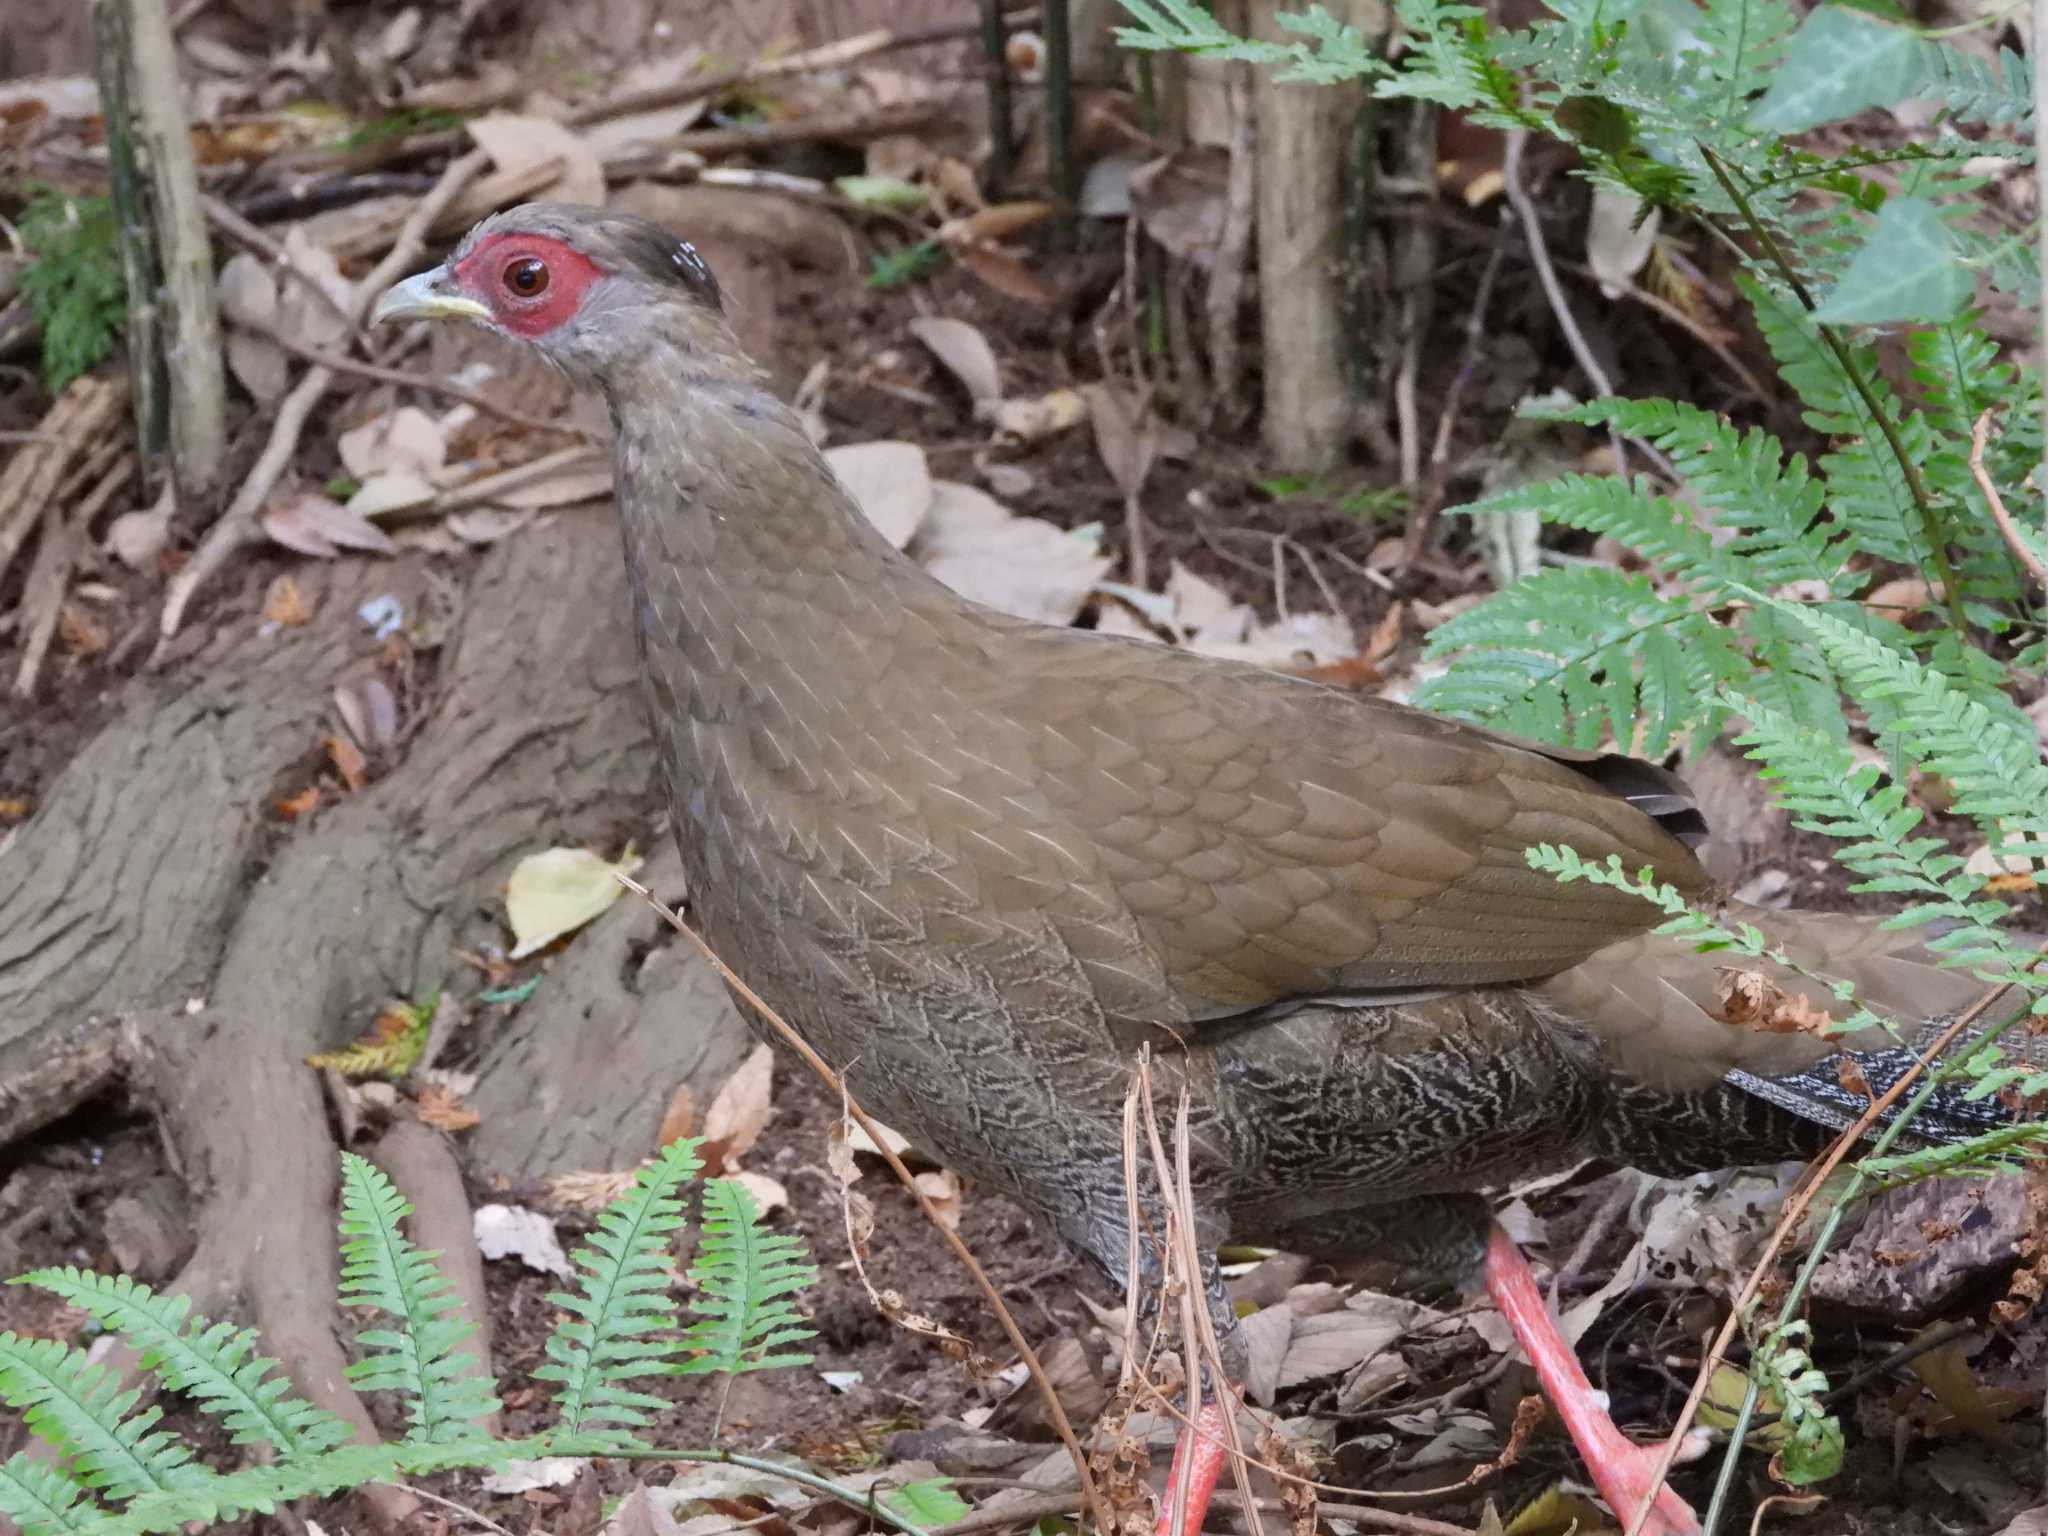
336, 363
1788, 1222
1031, 1511
237, 525
1553, 290
1431, 501
476, 1517
1907, 1352
1055, 1411
1980, 438
229, 222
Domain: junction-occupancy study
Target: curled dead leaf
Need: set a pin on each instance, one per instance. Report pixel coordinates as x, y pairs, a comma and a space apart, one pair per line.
285, 604
1752, 1000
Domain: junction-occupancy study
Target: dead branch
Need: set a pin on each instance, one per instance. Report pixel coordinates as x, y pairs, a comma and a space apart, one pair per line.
78, 420
64, 540
193, 360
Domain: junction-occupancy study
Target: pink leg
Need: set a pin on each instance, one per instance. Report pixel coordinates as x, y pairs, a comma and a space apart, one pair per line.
1198, 1457
1621, 1469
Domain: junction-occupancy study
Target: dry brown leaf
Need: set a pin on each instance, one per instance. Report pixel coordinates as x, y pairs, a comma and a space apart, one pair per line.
285, 604
14, 808
1126, 435
998, 221
1901, 598
317, 525
1970, 1404
1753, 1000
1179, 201
443, 1109
348, 761
1005, 273
298, 807
739, 1112
680, 1118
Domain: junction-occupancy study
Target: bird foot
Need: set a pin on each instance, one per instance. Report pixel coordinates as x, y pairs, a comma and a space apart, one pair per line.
1198, 1457
1623, 1471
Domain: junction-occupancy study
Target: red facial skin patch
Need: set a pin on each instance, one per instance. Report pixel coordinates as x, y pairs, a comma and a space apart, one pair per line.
484, 277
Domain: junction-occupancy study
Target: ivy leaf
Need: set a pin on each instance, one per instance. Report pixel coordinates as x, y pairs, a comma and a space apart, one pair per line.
1909, 270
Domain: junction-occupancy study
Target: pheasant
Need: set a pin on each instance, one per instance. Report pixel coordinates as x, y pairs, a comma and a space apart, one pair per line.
980, 864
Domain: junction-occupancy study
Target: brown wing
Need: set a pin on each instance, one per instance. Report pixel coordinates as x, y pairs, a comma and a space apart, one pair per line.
1277, 840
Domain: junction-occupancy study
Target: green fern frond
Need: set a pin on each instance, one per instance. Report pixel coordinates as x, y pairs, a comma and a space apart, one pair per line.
2009, 1149
75, 286
41, 1501
1823, 786
1768, 506
263, 1489
1574, 654
744, 1276
1332, 51
75, 1408
1993, 763
1448, 60
622, 1301
382, 1270
216, 1365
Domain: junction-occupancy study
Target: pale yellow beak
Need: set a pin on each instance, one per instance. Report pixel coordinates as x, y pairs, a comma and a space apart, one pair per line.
427, 296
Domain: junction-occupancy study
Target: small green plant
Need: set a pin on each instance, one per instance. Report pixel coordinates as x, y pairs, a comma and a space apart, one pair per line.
898, 269
74, 284
118, 1474
399, 125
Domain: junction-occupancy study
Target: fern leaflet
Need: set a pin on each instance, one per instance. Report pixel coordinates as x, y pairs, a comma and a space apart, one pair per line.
382, 1270
744, 1276
216, 1365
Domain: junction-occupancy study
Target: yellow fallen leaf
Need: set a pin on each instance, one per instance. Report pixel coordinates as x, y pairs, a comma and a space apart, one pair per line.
557, 891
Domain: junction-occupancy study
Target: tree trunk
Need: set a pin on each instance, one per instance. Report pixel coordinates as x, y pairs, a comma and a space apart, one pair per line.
1304, 147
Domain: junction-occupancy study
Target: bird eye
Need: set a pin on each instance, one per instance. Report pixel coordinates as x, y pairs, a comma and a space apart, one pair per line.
527, 277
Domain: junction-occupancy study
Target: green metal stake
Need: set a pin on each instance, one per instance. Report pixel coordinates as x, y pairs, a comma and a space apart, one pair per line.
1059, 102
995, 48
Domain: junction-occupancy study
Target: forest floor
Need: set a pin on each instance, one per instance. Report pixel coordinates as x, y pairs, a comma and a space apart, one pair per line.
227, 847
